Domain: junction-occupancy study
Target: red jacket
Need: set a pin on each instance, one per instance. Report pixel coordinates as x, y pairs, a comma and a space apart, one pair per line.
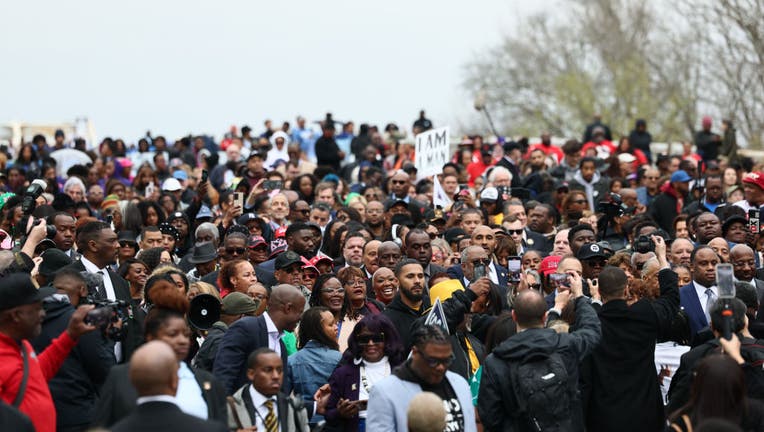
37, 403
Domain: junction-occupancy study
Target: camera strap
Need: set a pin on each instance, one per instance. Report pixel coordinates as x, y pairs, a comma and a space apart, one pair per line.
23, 387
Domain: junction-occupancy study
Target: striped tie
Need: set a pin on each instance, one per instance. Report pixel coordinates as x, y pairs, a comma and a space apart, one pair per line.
271, 423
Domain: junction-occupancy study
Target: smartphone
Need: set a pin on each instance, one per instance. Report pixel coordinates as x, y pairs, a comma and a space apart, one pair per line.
363, 404
463, 187
514, 265
238, 200
559, 280
205, 175
754, 225
270, 185
725, 280
478, 272
150, 188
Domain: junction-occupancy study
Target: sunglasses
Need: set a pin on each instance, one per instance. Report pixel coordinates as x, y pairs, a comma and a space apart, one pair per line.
304, 211
399, 182
236, 251
433, 236
485, 262
434, 362
516, 231
126, 243
370, 339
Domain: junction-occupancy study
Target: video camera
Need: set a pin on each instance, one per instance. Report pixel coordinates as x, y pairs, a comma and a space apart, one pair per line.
612, 207
107, 313
644, 244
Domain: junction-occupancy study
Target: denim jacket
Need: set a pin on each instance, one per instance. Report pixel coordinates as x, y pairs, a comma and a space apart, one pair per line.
309, 368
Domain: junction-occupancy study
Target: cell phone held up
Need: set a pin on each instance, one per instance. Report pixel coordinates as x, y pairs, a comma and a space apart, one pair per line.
559, 280
271, 185
238, 200
754, 218
478, 272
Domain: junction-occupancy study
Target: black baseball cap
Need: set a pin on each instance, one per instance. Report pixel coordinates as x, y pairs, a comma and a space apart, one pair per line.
592, 250
286, 259
17, 289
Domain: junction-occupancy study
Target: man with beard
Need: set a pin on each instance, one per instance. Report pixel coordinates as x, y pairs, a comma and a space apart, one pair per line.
707, 226
407, 305
375, 219
593, 259
299, 238
98, 244
419, 247
388, 254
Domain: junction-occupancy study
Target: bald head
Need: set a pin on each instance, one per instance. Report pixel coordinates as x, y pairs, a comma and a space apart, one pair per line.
284, 294
388, 254
743, 262
154, 369
426, 413
529, 309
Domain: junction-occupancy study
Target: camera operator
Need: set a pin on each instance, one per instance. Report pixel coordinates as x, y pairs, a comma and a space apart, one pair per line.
712, 197
75, 387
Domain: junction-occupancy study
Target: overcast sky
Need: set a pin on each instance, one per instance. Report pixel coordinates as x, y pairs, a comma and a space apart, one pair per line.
178, 67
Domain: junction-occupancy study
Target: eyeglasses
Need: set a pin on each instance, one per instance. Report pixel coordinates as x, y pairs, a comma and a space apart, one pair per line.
399, 181
370, 339
235, 251
434, 362
332, 290
433, 236
356, 282
484, 262
516, 231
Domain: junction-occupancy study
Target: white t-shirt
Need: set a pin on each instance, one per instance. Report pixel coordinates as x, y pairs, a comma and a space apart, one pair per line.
374, 373
667, 356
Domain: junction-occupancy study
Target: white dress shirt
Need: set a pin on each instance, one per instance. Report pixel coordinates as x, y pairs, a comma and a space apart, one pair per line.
258, 401
189, 395
274, 335
110, 294
158, 398
700, 290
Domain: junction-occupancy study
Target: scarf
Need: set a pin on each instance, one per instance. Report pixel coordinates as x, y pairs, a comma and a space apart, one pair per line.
588, 187
669, 190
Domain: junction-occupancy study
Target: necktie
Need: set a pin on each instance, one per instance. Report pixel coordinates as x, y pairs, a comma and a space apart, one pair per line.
271, 423
102, 287
710, 299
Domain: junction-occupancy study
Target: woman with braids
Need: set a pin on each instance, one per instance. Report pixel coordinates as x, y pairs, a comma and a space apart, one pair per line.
199, 394
309, 368
374, 350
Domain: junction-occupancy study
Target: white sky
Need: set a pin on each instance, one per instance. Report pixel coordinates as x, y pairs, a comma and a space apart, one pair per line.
178, 67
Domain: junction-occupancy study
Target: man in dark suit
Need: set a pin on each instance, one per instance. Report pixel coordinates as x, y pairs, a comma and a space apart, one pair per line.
98, 244
512, 154
260, 403
625, 358
285, 308
744, 266
698, 296
154, 374
418, 247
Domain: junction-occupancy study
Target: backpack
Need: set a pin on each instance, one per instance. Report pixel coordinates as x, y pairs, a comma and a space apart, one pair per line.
543, 393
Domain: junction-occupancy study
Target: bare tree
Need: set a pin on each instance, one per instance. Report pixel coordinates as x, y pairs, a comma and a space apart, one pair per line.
613, 57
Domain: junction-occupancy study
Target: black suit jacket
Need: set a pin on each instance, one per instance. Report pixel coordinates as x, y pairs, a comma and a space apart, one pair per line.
513, 169
537, 241
619, 376
134, 333
118, 397
244, 336
163, 417
456, 272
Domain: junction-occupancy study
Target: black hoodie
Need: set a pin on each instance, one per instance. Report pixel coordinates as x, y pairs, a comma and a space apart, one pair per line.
76, 385
403, 317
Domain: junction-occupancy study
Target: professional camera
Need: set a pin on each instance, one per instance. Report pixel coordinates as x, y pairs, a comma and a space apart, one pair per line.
644, 244
28, 204
612, 207
107, 313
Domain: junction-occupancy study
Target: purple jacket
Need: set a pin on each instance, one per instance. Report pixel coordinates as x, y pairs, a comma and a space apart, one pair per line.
344, 383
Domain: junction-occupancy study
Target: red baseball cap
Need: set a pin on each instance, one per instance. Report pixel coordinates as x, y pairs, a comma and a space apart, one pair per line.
549, 264
755, 178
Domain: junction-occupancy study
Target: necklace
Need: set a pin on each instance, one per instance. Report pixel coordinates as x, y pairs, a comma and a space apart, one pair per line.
365, 381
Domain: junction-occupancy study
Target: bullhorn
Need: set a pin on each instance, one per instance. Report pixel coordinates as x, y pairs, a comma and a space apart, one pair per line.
204, 311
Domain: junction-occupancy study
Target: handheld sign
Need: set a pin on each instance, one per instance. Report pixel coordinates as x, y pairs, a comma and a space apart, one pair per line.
436, 316
431, 152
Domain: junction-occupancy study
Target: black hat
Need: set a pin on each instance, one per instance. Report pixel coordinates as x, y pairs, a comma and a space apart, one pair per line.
177, 215
17, 289
286, 259
247, 217
451, 234
203, 253
730, 220
126, 235
392, 203
52, 261
592, 250
512, 145
168, 229
435, 215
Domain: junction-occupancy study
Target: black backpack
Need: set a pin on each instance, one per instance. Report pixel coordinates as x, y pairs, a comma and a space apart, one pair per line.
543, 393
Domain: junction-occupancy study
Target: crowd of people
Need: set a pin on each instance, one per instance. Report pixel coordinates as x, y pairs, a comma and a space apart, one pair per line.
303, 280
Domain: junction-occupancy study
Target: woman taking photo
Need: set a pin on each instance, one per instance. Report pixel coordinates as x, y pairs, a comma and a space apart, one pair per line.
199, 394
310, 367
374, 350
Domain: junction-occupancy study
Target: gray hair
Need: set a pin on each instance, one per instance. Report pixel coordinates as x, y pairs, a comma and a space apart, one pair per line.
74, 181
466, 252
650, 266
498, 169
208, 226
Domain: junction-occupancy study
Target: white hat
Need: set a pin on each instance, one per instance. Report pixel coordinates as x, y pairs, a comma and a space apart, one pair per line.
171, 185
626, 158
279, 134
489, 194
